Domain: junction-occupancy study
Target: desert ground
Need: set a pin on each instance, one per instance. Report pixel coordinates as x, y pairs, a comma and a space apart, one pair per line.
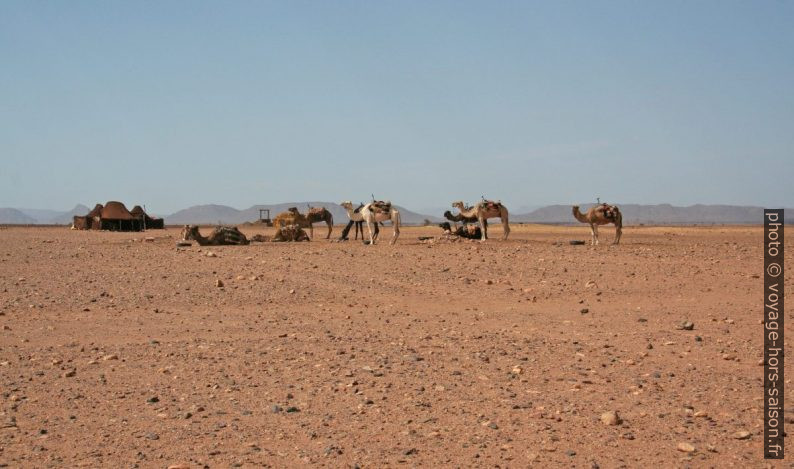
122, 351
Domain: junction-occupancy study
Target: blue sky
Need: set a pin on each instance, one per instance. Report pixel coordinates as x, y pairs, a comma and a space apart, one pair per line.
178, 103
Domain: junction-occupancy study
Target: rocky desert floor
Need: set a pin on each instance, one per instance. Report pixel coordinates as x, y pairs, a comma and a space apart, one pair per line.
118, 351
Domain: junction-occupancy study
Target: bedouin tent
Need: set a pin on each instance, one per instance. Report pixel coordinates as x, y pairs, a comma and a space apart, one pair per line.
149, 223
114, 216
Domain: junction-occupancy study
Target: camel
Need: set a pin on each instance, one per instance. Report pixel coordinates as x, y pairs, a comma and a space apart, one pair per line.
601, 215
465, 231
357, 220
317, 214
291, 217
373, 213
484, 210
458, 218
220, 236
290, 233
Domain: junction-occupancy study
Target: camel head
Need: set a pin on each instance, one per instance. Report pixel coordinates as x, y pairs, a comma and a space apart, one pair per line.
347, 205
458, 204
189, 232
293, 210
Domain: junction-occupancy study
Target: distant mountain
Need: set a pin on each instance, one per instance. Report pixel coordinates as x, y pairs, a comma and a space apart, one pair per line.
202, 214
48, 217
40, 215
15, 217
634, 214
65, 218
211, 214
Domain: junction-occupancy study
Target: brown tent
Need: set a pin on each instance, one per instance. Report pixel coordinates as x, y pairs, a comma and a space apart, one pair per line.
96, 212
114, 216
81, 223
149, 223
89, 221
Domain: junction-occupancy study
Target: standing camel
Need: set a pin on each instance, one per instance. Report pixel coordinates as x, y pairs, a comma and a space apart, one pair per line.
375, 212
601, 215
317, 214
484, 210
357, 220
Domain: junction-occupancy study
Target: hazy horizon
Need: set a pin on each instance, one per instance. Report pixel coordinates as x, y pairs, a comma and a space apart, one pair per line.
179, 104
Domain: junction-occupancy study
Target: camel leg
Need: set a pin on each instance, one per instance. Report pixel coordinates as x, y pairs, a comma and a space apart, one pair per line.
595, 231
346, 230
592, 235
330, 228
505, 227
482, 227
395, 221
371, 237
618, 234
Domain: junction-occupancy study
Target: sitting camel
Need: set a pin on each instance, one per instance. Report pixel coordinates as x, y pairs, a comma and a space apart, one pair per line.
373, 213
290, 233
603, 214
459, 218
465, 231
484, 210
220, 236
291, 217
317, 214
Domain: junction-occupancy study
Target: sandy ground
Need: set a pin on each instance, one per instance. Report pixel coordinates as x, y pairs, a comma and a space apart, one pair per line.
121, 352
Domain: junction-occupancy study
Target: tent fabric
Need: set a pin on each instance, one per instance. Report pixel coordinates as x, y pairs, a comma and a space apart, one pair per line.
149, 222
116, 211
81, 223
96, 212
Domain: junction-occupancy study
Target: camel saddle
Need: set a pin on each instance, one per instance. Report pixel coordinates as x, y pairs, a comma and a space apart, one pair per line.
491, 205
315, 211
609, 211
380, 206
